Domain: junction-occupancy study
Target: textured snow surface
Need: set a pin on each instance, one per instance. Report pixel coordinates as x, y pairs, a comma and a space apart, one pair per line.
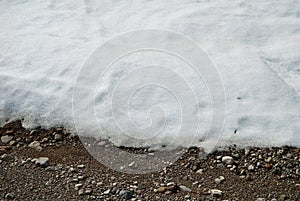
255, 46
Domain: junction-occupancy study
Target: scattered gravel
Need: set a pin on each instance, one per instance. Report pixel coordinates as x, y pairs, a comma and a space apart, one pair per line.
40, 165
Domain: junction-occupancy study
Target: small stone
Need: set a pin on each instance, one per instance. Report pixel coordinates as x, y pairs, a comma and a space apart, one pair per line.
6, 139
251, 167
42, 161
260, 199
161, 189
219, 179
9, 196
81, 166
283, 197
58, 137
77, 186
125, 194
267, 166
33, 132
35, 145
9, 132
200, 171
184, 188
106, 192
12, 143
228, 160
59, 129
269, 159
44, 140
216, 193
50, 168
81, 192
88, 191
80, 177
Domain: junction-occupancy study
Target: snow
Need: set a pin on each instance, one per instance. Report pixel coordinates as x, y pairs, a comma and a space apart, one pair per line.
253, 44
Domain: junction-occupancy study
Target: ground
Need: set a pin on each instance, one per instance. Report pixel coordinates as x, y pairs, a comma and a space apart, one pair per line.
69, 172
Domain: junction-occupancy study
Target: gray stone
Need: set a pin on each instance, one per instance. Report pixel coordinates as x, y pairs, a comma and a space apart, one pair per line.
9, 196
80, 166
35, 145
216, 193
228, 160
184, 188
81, 192
260, 199
42, 161
251, 167
57, 137
219, 179
6, 139
125, 194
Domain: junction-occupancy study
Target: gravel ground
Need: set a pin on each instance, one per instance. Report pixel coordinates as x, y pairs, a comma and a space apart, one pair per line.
52, 165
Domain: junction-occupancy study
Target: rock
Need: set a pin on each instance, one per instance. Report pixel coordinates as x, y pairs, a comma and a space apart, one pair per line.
228, 160
81, 192
267, 166
12, 143
283, 197
125, 194
81, 166
9, 196
216, 193
58, 137
200, 171
251, 167
6, 139
184, 188
219, 179
33, 132
77, 186
106, 192
88, 191
260, 199
50, 168
161, 189
42, 161
35, 145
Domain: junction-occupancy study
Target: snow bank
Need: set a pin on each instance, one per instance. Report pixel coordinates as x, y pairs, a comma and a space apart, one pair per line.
254, 45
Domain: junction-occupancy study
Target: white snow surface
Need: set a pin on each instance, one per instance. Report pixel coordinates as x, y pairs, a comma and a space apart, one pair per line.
255, 46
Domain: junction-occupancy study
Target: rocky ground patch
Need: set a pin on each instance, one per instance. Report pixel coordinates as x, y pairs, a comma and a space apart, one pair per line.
53, 165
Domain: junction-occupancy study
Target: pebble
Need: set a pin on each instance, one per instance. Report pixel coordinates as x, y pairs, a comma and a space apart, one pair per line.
228, 160
81, 192
216, 193
50, 168
42, 161
185, 189
77, 186
81, 166
161, 189
35, 145
9, 196
219, 179
88, 191
6, 139
125, 194
200, 171
260, 199
106, 192
251, 167
58, 137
